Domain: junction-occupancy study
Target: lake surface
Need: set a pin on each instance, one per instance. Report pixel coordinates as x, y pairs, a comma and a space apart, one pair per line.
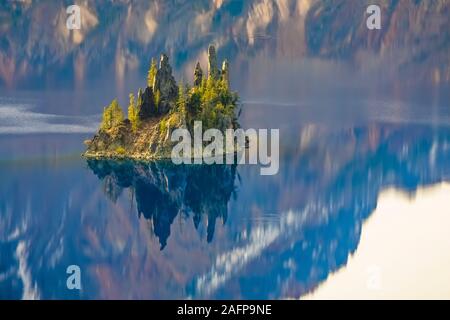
156, 230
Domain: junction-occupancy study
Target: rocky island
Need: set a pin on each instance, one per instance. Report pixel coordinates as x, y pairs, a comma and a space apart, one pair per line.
163, 107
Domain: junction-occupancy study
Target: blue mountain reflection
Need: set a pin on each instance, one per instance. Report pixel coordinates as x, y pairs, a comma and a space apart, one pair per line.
157, 230
163, 190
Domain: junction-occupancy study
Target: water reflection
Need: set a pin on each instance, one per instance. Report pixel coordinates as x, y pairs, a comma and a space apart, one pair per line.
385, 264
163, 190
155, 230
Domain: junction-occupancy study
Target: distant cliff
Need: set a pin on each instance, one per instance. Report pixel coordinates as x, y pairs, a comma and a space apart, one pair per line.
123, 34
414, 35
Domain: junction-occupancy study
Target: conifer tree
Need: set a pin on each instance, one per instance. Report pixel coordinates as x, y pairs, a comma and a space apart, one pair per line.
157, 99
116, 112
182, 101
112, 116
106, 119
133, 114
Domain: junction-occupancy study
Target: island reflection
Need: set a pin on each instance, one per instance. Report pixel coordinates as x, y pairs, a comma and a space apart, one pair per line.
163, 191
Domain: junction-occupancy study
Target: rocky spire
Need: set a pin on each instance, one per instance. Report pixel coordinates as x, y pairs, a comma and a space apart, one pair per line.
165, 85
225, 72
198, 75
212, 63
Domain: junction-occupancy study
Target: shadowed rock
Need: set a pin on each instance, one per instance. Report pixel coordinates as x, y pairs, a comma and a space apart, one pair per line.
147, 108
212, 63
198, 75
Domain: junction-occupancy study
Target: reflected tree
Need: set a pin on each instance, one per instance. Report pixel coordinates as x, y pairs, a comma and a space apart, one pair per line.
163, 191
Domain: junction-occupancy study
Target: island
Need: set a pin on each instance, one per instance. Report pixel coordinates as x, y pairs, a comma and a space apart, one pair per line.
163, 107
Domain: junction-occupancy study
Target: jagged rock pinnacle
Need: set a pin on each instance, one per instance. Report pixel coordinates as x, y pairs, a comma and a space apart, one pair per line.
212, 63
165, 85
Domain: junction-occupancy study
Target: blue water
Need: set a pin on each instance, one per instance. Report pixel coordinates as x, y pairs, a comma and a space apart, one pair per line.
156, 230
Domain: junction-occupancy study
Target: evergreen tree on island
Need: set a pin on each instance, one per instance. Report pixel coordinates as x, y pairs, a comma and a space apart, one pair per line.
163, 106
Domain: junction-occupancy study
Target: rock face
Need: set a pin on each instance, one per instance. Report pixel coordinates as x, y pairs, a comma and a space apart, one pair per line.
165, 85
198, 75
225, 72
212, 63
324, 28
411, 33
147, 107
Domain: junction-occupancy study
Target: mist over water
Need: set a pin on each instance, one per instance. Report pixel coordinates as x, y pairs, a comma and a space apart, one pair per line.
21, 119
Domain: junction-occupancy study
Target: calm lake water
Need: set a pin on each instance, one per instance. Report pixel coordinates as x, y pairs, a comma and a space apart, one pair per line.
156, 230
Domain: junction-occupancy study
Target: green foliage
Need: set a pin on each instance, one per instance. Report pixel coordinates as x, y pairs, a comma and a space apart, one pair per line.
157, 96
213, 103
203, 86
182, 100
152, 73
120, 150
194, 102
112, 116
106, 119
133, 114
154, 113
163, 127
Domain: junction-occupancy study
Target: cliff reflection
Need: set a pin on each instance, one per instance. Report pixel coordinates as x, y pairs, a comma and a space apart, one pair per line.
284, 234
295, 228
328, 188
163, 191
